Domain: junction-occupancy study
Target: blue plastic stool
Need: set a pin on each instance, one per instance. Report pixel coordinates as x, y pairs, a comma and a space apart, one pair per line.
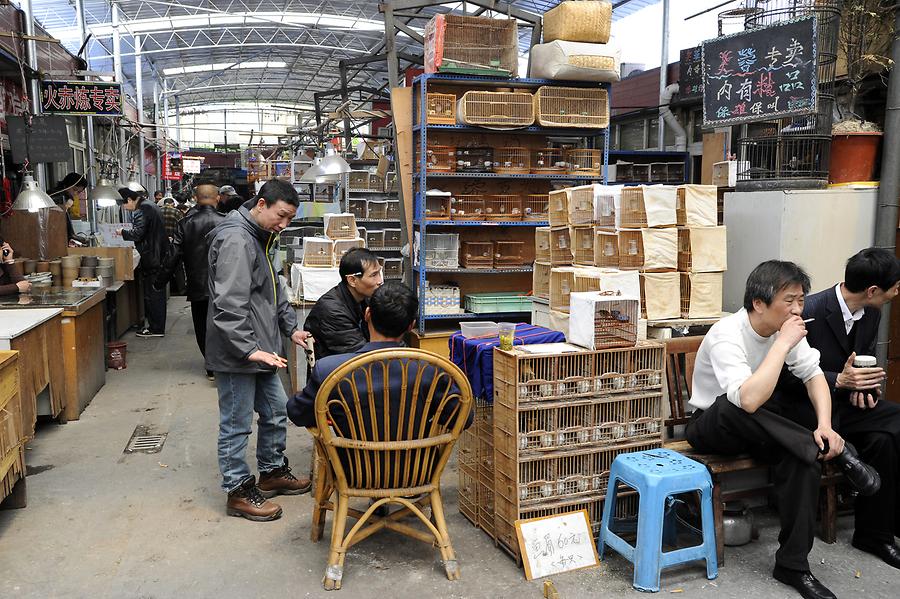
657, 474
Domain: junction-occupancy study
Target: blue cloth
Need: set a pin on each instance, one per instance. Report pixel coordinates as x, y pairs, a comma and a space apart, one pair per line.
475, 356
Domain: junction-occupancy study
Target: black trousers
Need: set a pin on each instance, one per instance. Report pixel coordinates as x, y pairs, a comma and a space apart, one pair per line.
198, 314
726, 429
154, 303
875, 433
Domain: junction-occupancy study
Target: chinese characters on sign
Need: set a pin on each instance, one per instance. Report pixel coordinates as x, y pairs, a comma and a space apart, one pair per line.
554, 544
690, 79
760, 74
92, 98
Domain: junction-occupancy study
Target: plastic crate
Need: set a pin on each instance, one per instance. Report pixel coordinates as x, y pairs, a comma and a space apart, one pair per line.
540, 280
496, 109
536, 207
441, 159
498, 301
548, 161
318, 251
509, 254
467, 207
475, 159
585, 162
606, 248
392, 238
512, 160
375, 239
583, 245
560, 246
477, 254
542, 244
358, 208
503, 207
440, 109
582, 107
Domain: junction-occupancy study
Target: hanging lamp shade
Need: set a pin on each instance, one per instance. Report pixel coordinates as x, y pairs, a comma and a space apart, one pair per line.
32, 198
333, 164
317, 174
104, 193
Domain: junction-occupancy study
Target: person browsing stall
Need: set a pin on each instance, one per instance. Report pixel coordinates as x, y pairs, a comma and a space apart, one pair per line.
337, 321
11, 282
735, 374
248, 313
844, 324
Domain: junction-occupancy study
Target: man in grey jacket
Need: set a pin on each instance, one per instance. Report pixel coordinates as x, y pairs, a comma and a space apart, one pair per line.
248, 313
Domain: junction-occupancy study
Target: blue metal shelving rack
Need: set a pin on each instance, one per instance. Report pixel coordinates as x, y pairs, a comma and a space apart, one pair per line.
421, 176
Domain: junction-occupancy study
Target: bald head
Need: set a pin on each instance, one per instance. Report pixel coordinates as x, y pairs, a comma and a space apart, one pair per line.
206, 194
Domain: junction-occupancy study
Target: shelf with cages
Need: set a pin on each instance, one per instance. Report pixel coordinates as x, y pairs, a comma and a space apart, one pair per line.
496, 180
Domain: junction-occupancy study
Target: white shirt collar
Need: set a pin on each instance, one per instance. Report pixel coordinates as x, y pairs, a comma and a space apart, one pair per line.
845, 311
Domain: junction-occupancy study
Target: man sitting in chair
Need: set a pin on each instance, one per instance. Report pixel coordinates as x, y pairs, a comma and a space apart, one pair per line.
390, 315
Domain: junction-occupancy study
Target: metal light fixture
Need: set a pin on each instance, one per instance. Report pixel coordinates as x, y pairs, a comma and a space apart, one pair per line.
32, 198
316, 174
333, 164
104, 193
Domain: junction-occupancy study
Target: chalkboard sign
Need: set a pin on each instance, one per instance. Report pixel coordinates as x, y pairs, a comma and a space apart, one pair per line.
690, 79
554, 544
760, 74
46, 141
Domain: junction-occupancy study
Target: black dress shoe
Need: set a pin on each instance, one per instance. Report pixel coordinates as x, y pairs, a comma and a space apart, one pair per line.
803, 582
861, 475
888, 552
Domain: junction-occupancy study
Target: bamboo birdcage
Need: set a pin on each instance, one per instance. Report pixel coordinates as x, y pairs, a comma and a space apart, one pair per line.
467, 207
548, 161
536, 207
437, 207
684, 249
342, 246
392, 237
581, 205
393, 209
604, 209
503, 207
614, 320
475, 159
375, 239
562, 280
632, 213
512, 160
340, 226
471, 44
440, 109
559, 208
606, 248
631, 249
509, 254
441, 159
393, 268
640, 173
378, 209
680, 207
707, 293
583, 161
582, 107
658, 172
540, 280
560, 246
318, 251
586, 280
442, 250
477, 254
358, 180
583, 245
496, 109
358, 208
542, 244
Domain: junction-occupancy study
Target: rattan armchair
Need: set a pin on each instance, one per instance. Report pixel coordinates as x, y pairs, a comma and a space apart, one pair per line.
388, 444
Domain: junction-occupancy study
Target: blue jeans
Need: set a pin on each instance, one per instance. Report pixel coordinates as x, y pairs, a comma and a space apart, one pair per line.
239, 396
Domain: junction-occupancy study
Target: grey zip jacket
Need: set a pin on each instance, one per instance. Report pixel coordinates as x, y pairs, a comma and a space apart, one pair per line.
248, 305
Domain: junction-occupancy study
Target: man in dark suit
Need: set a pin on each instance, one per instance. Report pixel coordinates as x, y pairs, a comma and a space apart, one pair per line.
846, 325
390, 315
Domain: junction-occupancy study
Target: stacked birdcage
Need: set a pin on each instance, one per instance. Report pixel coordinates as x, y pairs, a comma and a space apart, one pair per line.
560, 421
702, 252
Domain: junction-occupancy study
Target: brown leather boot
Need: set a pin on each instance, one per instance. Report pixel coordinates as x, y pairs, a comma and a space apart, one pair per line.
282, 482
247, 502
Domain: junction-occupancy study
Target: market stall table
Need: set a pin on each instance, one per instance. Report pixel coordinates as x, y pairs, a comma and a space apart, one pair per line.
37, 335
83, 341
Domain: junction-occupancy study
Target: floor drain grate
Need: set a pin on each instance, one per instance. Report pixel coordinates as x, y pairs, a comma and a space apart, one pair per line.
143, 441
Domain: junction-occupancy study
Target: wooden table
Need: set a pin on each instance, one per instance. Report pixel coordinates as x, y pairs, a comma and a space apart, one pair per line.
37, 335
83, 345
12, 442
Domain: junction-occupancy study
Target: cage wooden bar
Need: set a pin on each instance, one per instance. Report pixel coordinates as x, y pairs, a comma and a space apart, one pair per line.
512, 160
437, 207
606, 248
467, 207
542, 244
496, 109
509, 254
583, 245
477, 254
684, 249
441, 159
560, 246
474, 159
503, 207
585, 162
631, 248
632, 213
540, 280
318, 251
548, 161
440, 108
582, 107
680, 207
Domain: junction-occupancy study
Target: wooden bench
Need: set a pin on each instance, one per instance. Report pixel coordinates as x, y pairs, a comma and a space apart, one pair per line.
681, 354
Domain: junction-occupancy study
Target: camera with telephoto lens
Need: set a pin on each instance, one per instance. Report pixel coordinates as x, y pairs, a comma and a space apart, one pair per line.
5, 250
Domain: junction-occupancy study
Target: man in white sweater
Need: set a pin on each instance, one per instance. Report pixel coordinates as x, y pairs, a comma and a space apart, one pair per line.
736, 371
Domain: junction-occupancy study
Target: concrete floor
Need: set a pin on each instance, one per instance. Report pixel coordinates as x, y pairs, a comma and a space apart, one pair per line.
100, 523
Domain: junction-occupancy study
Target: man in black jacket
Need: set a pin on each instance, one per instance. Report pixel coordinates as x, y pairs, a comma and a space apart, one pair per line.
149, 236
190, 246
336, 321
845, 325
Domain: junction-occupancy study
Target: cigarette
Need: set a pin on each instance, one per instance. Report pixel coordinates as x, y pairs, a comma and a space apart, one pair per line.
809, 319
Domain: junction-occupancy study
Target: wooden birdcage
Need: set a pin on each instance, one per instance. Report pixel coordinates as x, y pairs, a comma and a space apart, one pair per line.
585, 162
675, 172
632, 213
440, 109
378, 209
474, 159
583, 245
503, 207
318, 251
358, 180
586, 279
680, 208
613, 318
393, 209
390, 182
560, 246
701, 295
393, 268
509, 254
440, 159
473, 45
581, 204
375, 239
467, 207
631, 248
437, 207
496, 109
548, 161
340, 226
392, 237
658, 172
358, 208
512, 160
342, 246
604, 209
559, 208
562, 280
540, 280
606, 248
542, 244
477, 254
582, 107
536, 207
684, 249
640, 173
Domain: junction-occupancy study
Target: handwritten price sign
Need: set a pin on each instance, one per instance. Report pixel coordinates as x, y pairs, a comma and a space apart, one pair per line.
554, 544
760, 74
